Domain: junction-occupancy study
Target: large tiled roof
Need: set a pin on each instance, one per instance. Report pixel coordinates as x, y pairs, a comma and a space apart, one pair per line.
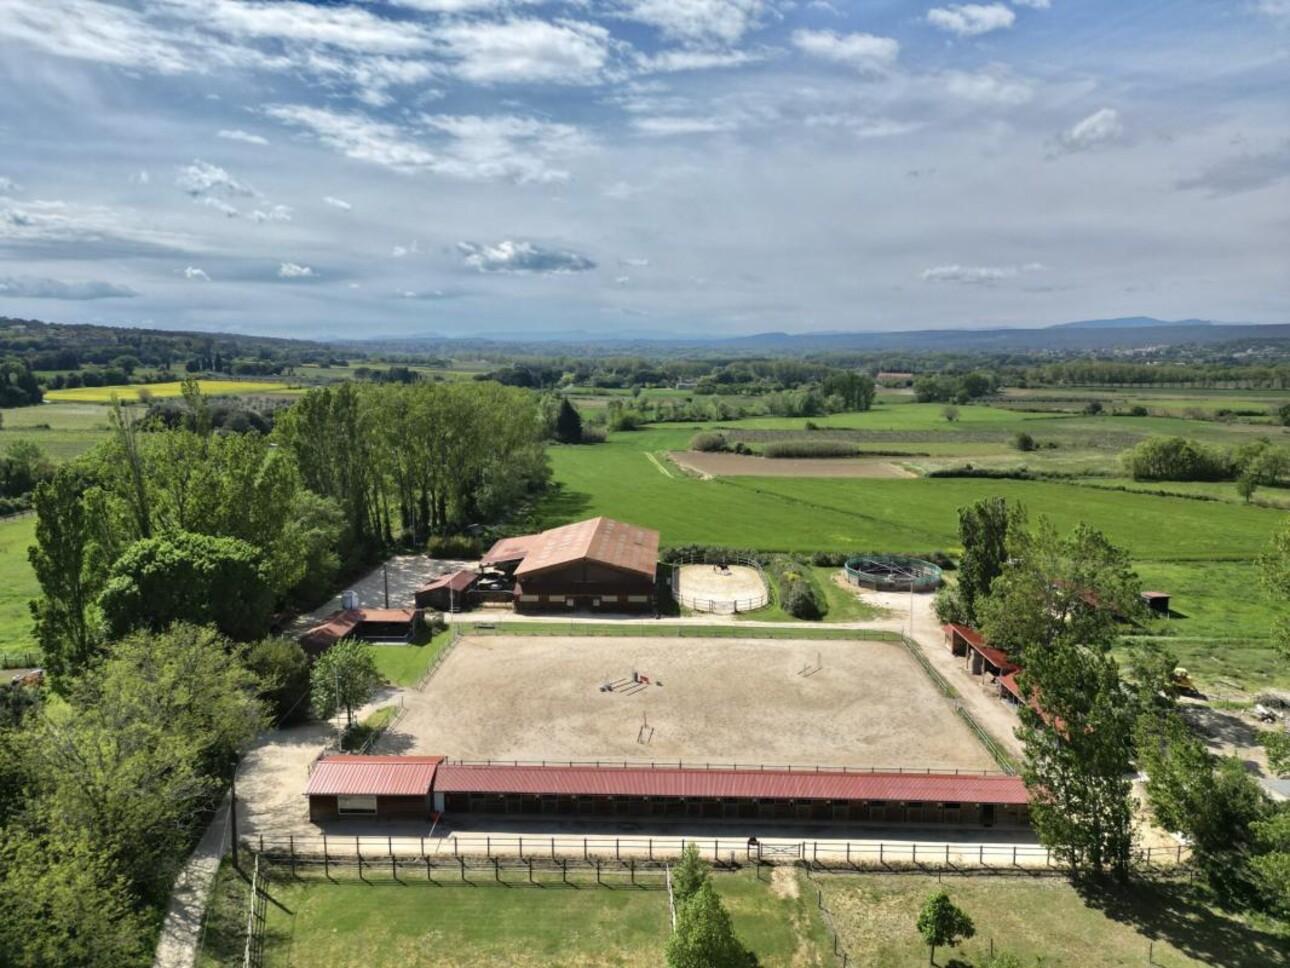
605, 541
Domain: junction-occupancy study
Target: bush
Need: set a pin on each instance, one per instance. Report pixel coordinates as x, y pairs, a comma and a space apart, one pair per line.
788, 449
1093, 408
1138, 411
988, 473
282, 667
1023, 441
797, 592
593, 435
454, 546
1175, 459
708, 442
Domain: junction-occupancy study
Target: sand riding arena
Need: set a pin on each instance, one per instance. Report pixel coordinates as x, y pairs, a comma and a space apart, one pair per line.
697, 700
725, 587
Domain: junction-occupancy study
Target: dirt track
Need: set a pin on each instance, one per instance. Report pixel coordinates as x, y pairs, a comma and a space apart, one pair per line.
744, 465
710, 700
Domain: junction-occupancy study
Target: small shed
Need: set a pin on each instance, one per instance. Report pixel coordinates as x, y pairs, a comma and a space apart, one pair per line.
447, 593
369, 624
373, 787
960, 638
1157, 602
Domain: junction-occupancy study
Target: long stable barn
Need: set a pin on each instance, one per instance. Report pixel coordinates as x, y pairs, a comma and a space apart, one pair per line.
425, 785
599, 564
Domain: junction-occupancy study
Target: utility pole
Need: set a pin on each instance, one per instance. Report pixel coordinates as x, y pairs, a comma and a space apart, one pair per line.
385, 572
232, 806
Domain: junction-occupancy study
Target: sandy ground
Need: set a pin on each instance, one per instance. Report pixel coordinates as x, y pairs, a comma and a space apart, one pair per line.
705, 588
744, 465
709, 700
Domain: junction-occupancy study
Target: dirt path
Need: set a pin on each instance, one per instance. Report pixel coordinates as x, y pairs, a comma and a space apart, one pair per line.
181, 931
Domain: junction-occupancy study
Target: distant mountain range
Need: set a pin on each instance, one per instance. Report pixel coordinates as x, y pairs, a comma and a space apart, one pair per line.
1125, 333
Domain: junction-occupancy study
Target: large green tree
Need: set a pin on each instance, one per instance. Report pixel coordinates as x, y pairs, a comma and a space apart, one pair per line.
941, 923
1274, 564
343, 677
705, 935
984, 529
183, 576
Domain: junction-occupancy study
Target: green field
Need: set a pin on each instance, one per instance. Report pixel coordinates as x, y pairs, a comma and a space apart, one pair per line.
404, 665
17, 584
212, 388
1047, 919
386, 923
63, 430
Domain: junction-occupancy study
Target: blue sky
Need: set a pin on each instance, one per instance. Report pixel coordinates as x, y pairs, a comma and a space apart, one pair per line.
701, 167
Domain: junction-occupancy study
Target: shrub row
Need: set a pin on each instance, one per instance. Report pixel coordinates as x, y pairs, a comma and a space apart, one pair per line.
990, 473
798, 595
789, 449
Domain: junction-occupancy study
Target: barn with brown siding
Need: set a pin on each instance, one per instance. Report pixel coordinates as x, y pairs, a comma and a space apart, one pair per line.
375, 787
598, 565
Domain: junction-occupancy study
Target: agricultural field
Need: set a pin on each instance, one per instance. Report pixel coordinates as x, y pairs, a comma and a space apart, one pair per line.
17, 584
381, 923
1047, 921
158, 391
62, 430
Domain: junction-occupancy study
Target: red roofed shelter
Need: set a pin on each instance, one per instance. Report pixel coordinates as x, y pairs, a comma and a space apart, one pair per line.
598, 564
369, 624
447, 593
384, 787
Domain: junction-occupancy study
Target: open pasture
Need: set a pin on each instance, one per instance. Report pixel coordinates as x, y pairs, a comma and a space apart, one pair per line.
17, 584
62, 430
158, 391
752, 701
743, 465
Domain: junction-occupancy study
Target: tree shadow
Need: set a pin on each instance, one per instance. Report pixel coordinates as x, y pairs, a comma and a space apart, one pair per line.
1175, 912
560, 505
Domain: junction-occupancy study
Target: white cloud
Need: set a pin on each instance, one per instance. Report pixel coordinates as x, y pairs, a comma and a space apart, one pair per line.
509, 256
1277, 9
1098, 129
8, 185
673, 61
977, 275
634, 263
35, 287
357, 136
995, 85
92, 31
864, 52
339, 203
202, 179
59, 222
972, 19
723, 21
504, 146
290, 270
1244, 173
278, 213
244, 136
1033, 4
665, 127
526, 51
196, 274
345, 27
140, 178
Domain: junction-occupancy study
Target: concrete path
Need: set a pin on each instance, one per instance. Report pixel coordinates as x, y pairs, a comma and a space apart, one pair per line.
182, 930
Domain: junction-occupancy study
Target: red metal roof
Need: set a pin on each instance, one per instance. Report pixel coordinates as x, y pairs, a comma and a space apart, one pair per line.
993, 656
384, 776
1152, 595
458, 581
616, 544
969, 635
322, 637
739, 784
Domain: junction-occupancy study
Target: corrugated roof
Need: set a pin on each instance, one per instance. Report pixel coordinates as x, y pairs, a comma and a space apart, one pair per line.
458, 581
1150, 595
385, 776
739, 784
322, 637
969, 635
994, 656
615, 544
510, 549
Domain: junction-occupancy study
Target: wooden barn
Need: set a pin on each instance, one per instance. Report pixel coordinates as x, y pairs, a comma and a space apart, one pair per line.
369, 624
599, 565
374, 787
447, 593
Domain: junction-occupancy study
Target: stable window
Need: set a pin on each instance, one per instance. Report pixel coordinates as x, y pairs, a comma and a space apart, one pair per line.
356, 804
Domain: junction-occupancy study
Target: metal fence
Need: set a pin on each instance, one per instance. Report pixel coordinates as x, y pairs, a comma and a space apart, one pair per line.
759, 767
663, 629
840, 952
454, 853
19, 660
441, 658
715, 606
256, 916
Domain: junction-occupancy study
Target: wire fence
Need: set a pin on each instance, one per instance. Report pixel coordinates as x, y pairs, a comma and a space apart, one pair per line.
461, 854
19, 660
256, 916
840, 952
718, 606
441, 658
658, 629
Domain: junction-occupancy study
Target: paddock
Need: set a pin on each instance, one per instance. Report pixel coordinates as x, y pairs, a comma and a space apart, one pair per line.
712, 588
694, 700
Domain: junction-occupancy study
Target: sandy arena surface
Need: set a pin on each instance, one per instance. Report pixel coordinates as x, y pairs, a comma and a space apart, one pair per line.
705, 588
709, 700
745, 465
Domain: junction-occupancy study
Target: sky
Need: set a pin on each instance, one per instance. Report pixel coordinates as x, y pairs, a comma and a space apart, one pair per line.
684, 167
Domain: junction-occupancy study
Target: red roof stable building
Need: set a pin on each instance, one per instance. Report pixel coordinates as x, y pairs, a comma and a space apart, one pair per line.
447, 593
369, 624
599, 564
390, 787
668, 793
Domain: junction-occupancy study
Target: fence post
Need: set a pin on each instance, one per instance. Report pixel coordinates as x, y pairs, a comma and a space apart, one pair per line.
394, 869
462, 862
617, 853
292, 843
488, 846
553, 848
631, 861
497, 870
597, 871
564, 869
585, 857
326, 860
530, 870
651, 849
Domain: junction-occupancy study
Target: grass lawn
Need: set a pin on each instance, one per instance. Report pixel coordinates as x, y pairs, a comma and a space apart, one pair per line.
404, 665
1046, 918
844, 604
212, 388
383, 923
17, 584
